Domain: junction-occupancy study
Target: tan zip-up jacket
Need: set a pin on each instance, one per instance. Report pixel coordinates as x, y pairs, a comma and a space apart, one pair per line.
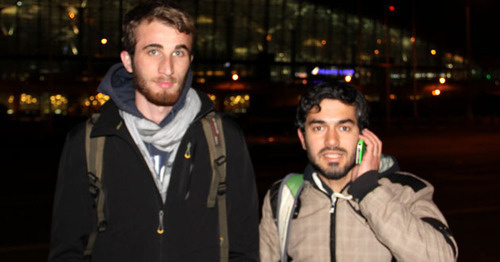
395, 220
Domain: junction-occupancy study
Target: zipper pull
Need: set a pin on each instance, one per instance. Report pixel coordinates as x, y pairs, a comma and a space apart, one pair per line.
334, 201
160, 229
187, 154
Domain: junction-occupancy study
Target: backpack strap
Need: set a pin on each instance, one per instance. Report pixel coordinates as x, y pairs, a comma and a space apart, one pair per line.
285, 207
94, 148
212, 127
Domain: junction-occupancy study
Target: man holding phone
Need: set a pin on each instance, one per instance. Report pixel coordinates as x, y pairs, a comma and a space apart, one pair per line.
339, 210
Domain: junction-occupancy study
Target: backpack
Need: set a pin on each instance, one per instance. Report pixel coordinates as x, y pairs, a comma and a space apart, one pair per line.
212, 128
285, 204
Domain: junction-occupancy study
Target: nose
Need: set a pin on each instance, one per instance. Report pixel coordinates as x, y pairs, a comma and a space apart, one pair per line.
166, 67
331, 138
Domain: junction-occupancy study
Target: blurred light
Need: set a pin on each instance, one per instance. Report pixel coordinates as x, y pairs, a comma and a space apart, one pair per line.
392, 8
104, 41
488, 76
436, 92
376, 51
323, 42
392, 96
271, 139
348, 78
379, 41
10, 111
412, 39
200, 80
393, 40
235, 77
315, 71
227, 64
19, 3
433, 52
71, 15
442, 80
269, 38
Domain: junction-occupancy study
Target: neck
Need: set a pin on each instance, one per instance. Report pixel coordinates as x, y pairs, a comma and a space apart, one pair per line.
149, 110
336, 184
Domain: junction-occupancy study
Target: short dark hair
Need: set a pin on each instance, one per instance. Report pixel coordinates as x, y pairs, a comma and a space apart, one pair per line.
165, 11
347, 94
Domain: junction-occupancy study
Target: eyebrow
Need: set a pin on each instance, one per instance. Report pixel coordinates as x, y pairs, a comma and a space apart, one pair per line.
154, 45
159, 46
342, 121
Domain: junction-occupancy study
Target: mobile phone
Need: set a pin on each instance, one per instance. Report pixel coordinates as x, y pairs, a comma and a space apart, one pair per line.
360, 151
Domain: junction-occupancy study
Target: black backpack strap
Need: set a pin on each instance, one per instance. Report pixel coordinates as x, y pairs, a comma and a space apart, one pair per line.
212, 127
94, 148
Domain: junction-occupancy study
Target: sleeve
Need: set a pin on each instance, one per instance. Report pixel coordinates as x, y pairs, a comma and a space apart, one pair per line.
269, 239
404, 217
72, 210
242, 199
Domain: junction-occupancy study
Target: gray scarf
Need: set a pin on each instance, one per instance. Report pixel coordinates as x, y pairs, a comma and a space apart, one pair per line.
165, 138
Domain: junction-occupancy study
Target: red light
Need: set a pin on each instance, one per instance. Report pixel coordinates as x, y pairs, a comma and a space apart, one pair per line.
392, 8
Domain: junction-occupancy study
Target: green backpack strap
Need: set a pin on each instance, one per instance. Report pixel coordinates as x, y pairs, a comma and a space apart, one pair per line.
288, 195
94, 148
212, 127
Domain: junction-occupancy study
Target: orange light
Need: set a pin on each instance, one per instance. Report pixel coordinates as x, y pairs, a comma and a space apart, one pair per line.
436, 92
323, 42
442, 80
392, 96
376, 51
235, 77
71, 15
412, 39
433, 52
269, 37
104, 41
348, 78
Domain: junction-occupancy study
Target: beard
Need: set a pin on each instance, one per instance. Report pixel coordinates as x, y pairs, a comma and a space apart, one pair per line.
332, 170
167, 97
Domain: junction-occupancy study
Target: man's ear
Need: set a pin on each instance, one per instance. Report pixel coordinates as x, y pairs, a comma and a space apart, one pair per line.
126, 61
301, 138
191, 57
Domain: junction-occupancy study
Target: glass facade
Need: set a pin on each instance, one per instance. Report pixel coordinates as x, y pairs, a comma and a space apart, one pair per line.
61, 48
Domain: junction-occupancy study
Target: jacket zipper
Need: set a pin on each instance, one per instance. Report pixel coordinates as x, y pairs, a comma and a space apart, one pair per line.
160, 230
332, 225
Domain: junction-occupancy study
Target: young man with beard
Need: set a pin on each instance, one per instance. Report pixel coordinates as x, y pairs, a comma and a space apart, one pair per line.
156, 172
342, 211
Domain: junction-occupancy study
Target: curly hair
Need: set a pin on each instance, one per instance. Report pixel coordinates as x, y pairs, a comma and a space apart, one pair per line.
164, 11
339, 91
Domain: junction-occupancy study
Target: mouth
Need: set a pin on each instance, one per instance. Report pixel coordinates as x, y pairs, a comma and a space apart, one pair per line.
332, 156
165, 84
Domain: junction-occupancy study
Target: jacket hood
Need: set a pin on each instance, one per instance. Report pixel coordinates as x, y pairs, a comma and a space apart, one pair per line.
118, 84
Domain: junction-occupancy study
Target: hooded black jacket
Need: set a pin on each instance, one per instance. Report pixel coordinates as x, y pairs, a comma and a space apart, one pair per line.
133, 203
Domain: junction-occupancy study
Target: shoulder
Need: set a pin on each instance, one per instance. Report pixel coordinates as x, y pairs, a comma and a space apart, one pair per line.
405, 179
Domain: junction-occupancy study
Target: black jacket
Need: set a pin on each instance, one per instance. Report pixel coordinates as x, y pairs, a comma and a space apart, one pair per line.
133, 202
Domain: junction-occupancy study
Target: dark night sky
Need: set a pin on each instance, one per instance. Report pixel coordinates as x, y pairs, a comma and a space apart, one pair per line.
443, 22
